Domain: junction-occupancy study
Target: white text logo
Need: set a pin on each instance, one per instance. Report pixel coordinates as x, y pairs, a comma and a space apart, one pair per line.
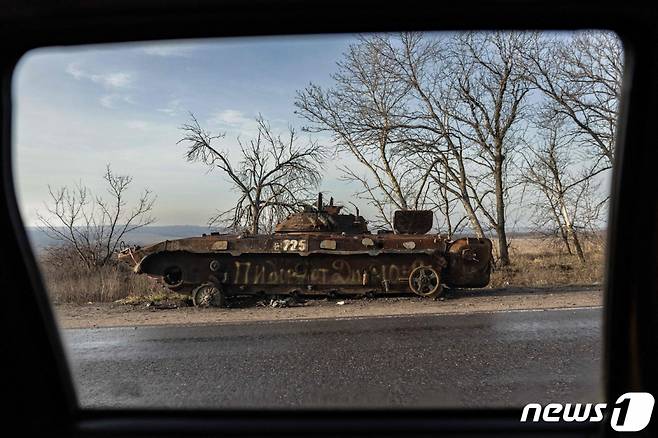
630, 413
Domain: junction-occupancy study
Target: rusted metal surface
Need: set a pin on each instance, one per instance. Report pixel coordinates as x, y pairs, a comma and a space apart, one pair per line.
326, 219
469, 262
413, 221
318, 251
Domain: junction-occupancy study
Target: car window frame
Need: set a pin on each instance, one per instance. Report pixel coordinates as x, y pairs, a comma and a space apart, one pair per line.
629, 303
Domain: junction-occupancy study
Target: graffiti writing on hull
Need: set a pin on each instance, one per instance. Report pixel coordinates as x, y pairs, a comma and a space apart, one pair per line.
339, 272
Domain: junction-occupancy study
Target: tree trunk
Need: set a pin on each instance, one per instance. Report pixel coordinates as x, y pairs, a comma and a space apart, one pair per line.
472, 218
571, 231
255, 217
576, 243
565, 239
502, 245
447, 215
466, 202
500, 212
561, 228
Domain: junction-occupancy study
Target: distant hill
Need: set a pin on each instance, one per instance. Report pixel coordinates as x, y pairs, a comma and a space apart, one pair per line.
141, 236
158, 233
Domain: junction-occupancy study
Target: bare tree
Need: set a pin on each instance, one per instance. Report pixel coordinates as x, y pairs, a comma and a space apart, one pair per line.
363, 112
470, 92
273, 176
553, 167
439, 121
582, 77
92, 225
422, 132
445, 203
429, 129
488, 110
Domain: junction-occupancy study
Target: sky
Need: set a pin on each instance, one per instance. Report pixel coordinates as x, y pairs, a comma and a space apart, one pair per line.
80, 108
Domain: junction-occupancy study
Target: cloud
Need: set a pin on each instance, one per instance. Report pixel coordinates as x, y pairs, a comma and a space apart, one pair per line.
138, 124
230, 117
168, 50
111, 100
172, 108
74, 70
233, 123
113, 80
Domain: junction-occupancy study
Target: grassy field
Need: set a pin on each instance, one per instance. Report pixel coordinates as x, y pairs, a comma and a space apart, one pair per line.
75, 284
535, 262
543, 262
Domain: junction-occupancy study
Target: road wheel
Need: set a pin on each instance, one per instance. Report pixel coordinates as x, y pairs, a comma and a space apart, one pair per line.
425, 281
208, 295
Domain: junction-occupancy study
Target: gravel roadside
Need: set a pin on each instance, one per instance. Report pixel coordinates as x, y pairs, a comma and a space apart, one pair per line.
488, 300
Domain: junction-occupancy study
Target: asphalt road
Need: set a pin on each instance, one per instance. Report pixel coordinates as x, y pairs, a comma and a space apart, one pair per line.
490, 359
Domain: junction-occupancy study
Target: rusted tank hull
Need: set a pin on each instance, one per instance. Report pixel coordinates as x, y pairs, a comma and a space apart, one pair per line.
317, 251
291, 273
322, 268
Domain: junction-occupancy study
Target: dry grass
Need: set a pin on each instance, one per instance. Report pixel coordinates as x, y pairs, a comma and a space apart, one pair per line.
73, 284
69, 281
544, 262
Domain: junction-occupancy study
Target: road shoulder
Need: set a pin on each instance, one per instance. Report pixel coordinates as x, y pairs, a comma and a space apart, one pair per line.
459, 302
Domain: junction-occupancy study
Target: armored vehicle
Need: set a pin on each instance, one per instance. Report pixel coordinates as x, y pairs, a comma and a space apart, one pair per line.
317, 251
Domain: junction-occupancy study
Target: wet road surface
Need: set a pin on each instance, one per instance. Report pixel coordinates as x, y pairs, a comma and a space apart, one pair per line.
487, 359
